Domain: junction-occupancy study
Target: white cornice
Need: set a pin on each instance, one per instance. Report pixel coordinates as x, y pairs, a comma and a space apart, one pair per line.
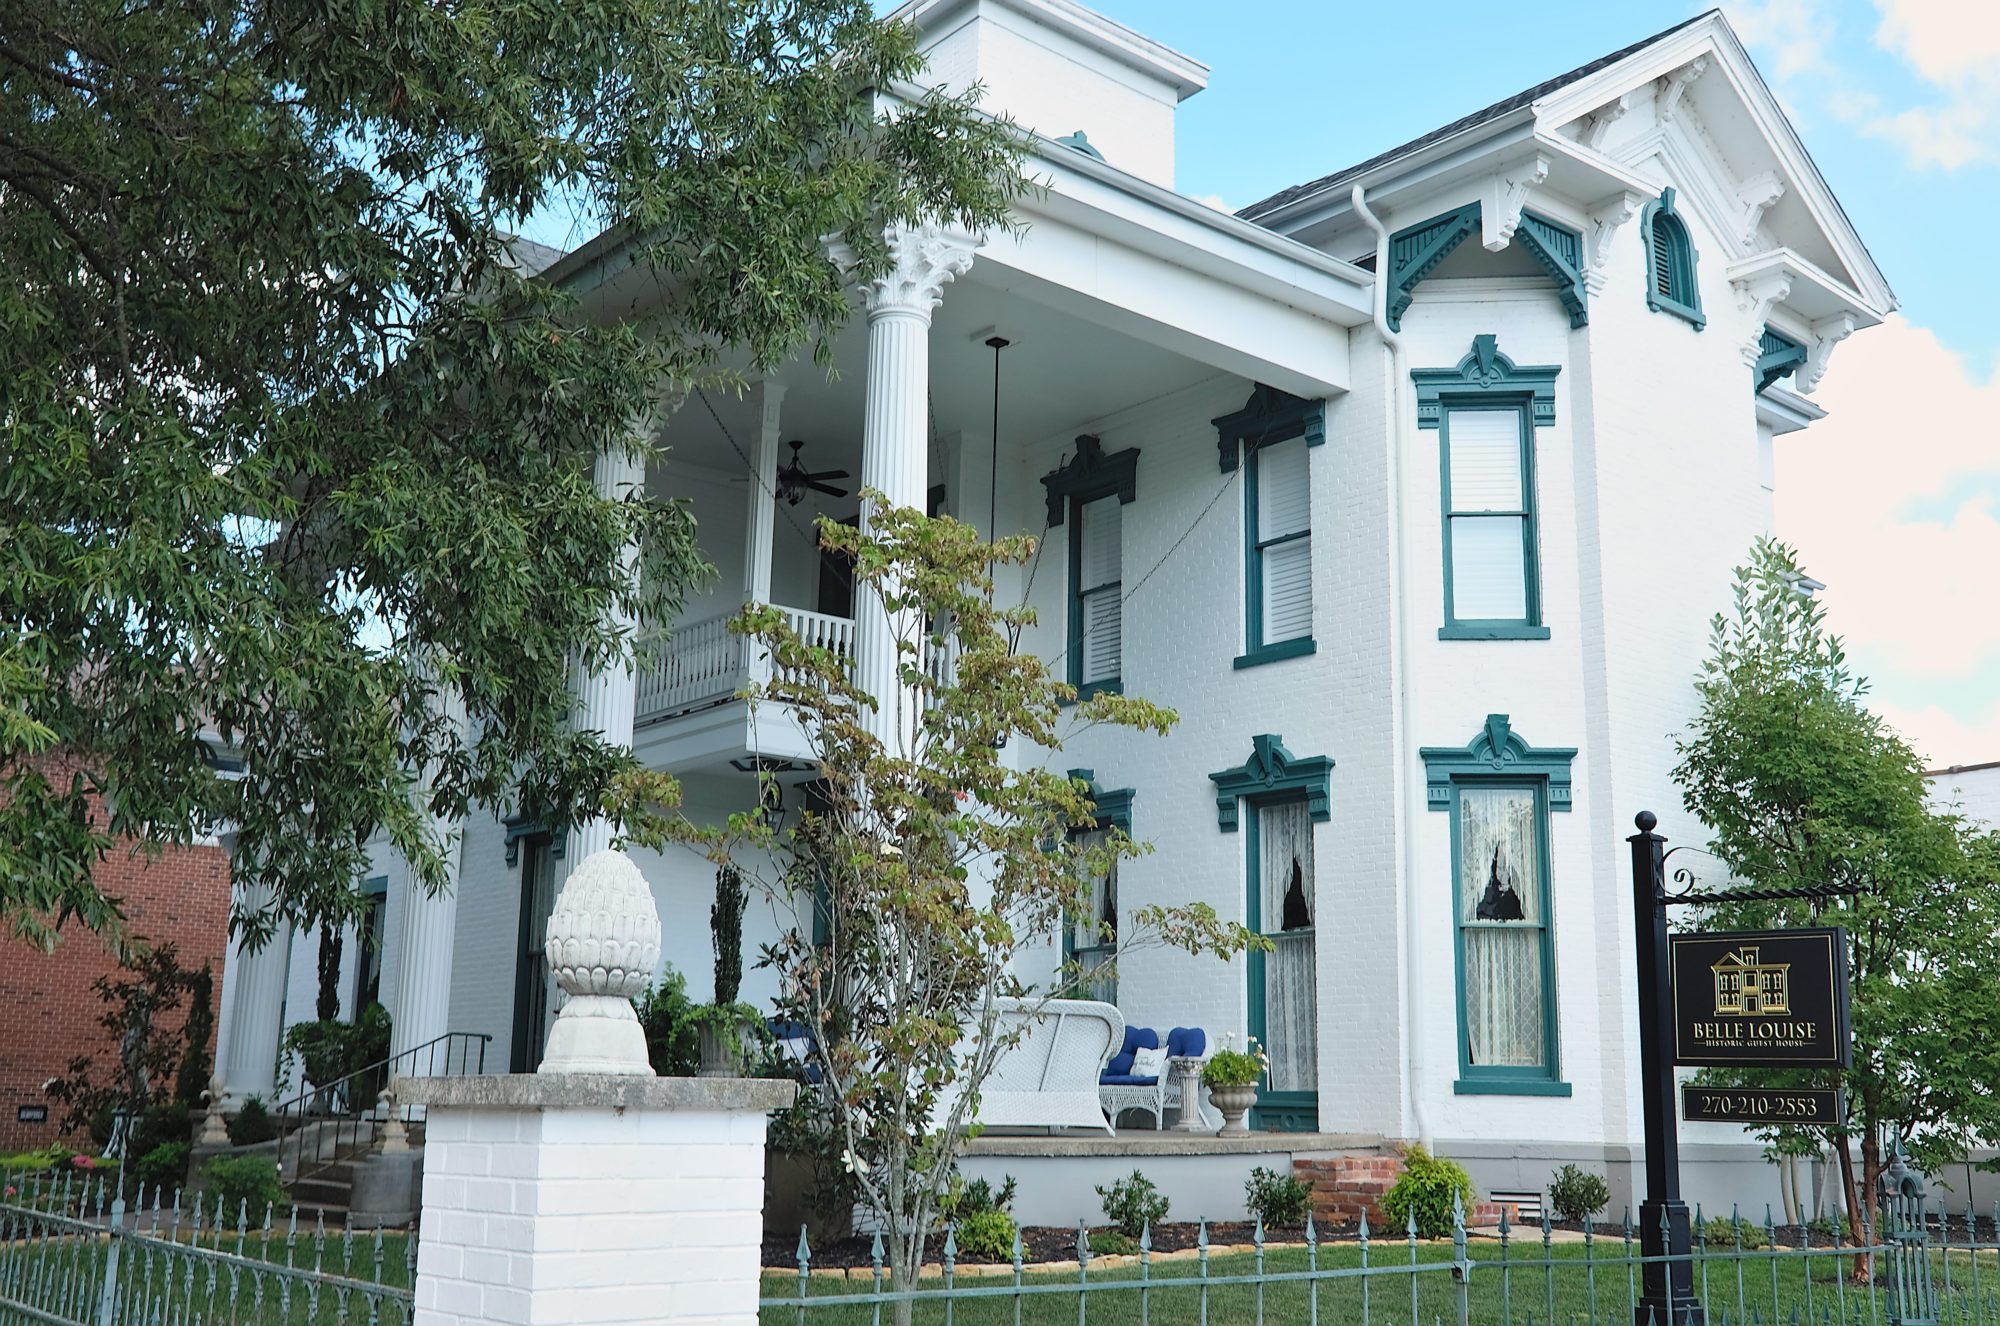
1088, 28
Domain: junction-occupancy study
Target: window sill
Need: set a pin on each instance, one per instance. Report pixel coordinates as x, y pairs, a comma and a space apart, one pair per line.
1504, 1086
1687, 313
1093, 689
1492, 631
1277, 653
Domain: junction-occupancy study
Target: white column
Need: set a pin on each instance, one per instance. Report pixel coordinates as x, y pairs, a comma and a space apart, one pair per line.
760, 525
423, 959
607, 701
895, 426
249, 1056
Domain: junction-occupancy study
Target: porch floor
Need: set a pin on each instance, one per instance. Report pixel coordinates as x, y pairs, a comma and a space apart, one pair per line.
1145, 1142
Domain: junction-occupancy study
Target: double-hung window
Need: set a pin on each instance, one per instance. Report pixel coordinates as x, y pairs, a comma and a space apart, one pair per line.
1096, 611
1506, 956
1091, 940
1277, 521
1492, 586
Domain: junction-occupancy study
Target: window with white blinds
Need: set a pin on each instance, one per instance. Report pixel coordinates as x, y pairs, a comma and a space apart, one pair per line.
1096, 590
1489, 504
1279, 516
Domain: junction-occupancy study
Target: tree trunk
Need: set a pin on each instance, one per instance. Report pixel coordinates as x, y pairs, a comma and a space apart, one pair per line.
1864, 1266
330, 943
1788, 1186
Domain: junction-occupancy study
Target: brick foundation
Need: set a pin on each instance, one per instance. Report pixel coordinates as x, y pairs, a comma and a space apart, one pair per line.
1348, 1187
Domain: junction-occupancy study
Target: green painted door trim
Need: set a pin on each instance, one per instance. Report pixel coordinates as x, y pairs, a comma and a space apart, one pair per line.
1272, 772
527, 969
1275, 1111
1683, 298
527, 826
1529, 627
1270, 415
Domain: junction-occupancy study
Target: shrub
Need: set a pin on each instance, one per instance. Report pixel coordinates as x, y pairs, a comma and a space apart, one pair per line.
1825, 1228
246, 1185
666, 1015
976, 1198
158, 1126
252, 1124
1110, 1243
987, 1234
164, 1167
1424, 1192
1722, 1232
1577, 1194
1236, 1068
1277, 1199
1133, 1204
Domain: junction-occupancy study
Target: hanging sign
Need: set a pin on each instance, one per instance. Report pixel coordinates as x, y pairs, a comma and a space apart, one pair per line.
1760, 998
1756, 1105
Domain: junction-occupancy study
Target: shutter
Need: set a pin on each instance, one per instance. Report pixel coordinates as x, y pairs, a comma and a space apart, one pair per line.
1284, 495
1485, 460
1103, 627
1288, 602
1099, 541
1663, 255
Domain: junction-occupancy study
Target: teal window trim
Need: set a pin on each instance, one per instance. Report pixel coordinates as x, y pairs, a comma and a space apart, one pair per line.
1778, 356
1415, 252
1270, 415
529, 826
1486, 375
1499, 757
1559, 251
1275, 1111
530, 975
1273, 772
1302, 647
1088, 476
1660, 225
1530, 626
1111, 809
1259, 650
375, 887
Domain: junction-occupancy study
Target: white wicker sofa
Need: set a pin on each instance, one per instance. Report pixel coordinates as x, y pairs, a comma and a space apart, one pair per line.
1048, 1077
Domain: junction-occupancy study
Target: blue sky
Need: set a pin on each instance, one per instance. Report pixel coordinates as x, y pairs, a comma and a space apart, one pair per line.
1894, 500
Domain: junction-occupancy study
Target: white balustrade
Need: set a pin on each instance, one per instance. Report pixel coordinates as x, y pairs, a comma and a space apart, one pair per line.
703, 661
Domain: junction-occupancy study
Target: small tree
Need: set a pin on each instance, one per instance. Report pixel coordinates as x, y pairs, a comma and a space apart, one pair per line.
1800, 786
151, 987
931, 860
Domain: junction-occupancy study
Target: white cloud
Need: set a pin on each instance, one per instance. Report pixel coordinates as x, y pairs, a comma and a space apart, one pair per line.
1955, 47
1792, 34
1892, 502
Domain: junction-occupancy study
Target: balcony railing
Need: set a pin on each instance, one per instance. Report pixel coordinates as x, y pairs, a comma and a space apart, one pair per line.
703, 662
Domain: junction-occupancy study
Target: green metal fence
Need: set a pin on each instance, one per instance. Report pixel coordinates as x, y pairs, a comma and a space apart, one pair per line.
1917, 1269
72, 1254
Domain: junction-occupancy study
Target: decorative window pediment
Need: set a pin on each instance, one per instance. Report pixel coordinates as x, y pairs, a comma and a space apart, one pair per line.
1778, 356
1498, 750
1486, 374
1090, 473
1270, 415
1113, 807
1272, 770
522, 826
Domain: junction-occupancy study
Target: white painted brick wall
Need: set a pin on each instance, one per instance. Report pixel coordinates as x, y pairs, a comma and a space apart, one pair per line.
591, 1216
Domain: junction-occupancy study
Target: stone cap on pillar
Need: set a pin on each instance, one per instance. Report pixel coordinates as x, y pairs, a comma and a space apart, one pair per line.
596, 1091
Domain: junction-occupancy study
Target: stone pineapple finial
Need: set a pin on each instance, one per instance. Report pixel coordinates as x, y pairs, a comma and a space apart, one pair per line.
603, 948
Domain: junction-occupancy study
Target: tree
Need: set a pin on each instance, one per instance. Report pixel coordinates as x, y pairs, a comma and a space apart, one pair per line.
293, 442
938, 855
1801, 786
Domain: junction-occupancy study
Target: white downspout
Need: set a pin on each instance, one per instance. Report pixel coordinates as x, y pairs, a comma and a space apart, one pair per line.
1406, 846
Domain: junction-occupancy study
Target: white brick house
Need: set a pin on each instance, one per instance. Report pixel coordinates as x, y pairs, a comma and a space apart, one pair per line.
1511, 392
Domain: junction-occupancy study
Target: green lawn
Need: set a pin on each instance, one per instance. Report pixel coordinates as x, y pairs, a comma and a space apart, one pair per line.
1566, 1289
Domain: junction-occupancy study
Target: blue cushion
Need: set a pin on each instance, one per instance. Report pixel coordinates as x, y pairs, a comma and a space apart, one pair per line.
1127, 1080
1189, 1042
1136, 1038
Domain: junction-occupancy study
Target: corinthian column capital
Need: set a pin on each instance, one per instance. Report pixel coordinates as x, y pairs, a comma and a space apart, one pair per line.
922, 261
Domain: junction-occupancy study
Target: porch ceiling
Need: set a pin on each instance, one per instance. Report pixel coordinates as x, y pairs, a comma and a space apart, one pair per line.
1060, 373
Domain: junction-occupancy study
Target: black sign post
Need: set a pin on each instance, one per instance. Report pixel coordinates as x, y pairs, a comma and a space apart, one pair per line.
1668, 1297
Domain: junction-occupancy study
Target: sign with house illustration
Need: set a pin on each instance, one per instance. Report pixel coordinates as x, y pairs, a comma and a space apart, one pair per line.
1769, 998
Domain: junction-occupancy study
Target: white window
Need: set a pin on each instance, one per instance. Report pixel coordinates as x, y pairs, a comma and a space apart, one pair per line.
1279, 520
1489, 528
1096, 589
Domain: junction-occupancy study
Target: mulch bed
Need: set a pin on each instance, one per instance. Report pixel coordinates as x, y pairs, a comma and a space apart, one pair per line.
1039, 1243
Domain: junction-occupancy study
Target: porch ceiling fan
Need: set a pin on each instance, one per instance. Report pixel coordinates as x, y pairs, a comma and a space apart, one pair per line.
794, 479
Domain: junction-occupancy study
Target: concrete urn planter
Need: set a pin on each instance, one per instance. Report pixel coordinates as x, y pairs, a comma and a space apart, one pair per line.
1233, 1103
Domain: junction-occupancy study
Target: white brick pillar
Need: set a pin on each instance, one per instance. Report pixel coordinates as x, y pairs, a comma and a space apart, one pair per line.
429, 924
607, 700
895, 427
588, 1200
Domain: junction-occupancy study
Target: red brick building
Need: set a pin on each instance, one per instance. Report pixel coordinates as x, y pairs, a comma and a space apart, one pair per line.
180, 896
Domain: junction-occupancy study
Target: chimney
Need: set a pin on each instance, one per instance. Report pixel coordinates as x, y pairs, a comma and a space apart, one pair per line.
1062, 70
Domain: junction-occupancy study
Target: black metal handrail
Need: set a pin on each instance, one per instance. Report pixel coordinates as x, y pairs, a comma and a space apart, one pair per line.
349, 1107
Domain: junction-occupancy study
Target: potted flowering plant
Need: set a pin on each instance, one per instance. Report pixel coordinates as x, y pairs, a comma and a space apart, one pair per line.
1231, 1076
